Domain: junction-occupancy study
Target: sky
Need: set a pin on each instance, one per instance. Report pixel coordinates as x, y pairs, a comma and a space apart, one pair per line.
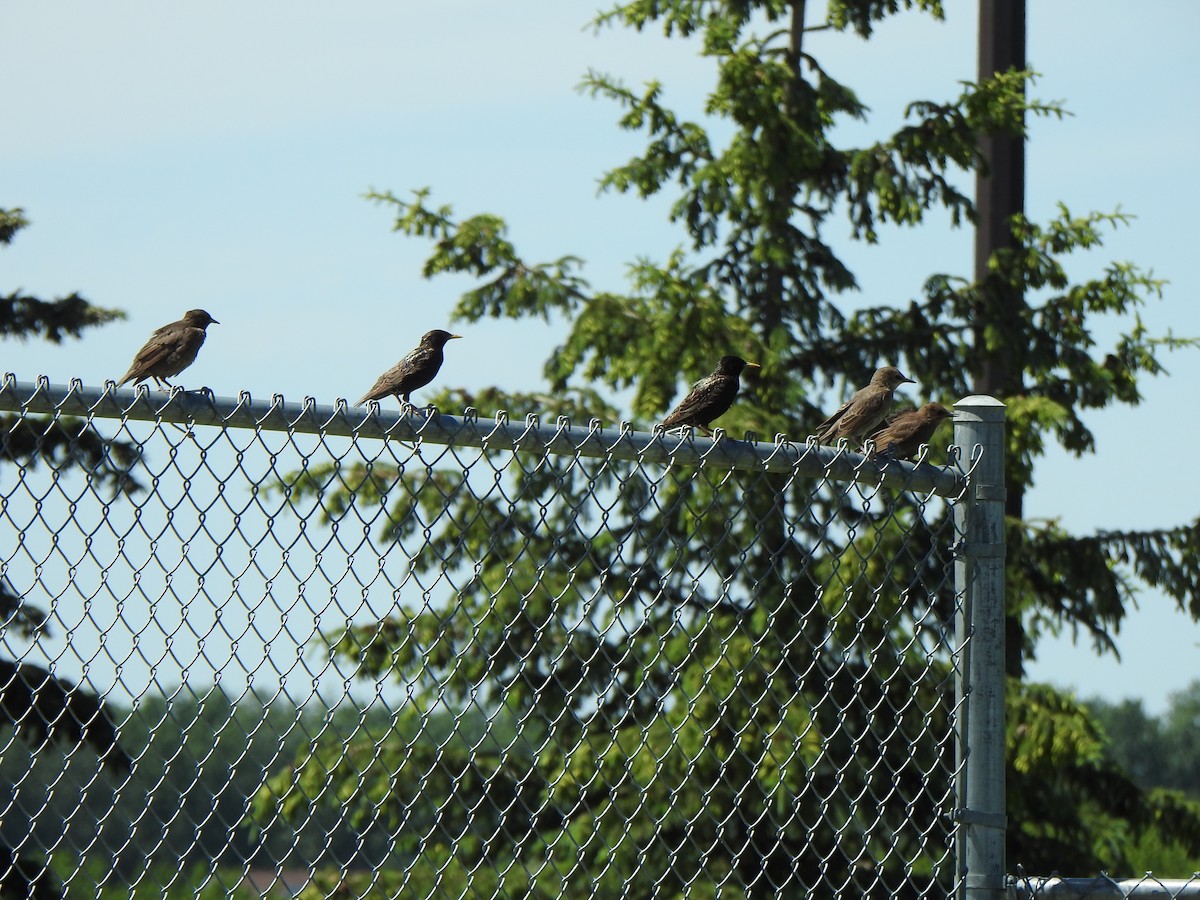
216, 155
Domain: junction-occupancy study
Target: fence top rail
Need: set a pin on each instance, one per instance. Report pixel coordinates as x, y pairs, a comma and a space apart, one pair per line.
529, 435
1029, 887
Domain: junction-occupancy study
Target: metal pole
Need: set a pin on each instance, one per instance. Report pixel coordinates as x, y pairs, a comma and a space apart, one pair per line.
979, 579
1104, 888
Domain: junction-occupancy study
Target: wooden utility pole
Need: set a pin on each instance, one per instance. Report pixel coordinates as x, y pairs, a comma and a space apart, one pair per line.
999, 193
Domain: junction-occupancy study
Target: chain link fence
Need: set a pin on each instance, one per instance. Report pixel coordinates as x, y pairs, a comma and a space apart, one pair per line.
269, 649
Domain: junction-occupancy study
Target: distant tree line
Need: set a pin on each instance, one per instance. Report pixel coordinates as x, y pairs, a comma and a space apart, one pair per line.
1157, 751
200, 757
1161, 755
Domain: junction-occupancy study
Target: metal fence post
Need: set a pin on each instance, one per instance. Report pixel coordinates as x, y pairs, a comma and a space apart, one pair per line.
979, 577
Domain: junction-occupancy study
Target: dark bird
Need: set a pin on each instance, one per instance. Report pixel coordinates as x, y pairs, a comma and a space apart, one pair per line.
711, 396
416, 370
903, 436
170, 350
863, 413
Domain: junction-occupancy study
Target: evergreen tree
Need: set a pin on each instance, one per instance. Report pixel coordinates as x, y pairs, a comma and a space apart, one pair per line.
646, 759
63, 443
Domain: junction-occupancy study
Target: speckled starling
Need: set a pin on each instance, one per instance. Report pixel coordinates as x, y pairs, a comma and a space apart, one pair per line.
171, 349
863, 413
416, 370
711, 396
903, 436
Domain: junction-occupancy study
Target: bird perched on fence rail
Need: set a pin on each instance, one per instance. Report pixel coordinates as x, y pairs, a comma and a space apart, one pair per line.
863, 413
903, 436
170, 350
711, 396
416, 370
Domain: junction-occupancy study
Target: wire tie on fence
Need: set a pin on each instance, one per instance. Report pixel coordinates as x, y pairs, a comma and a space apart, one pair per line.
981, 819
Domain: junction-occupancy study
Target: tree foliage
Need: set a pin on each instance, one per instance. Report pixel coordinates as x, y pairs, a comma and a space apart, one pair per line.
65, 443
1074, 807
43, 709
757, 273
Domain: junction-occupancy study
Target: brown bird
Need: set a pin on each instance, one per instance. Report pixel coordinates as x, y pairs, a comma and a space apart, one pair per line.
903, 436
170, 350
863, 413
711, 396
414, 371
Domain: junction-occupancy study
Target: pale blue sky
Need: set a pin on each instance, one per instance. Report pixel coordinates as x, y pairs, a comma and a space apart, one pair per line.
214, 154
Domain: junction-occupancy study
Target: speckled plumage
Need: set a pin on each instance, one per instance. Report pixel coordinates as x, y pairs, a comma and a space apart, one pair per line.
903, 436
863, 413
711, 396
170, 350
416, 370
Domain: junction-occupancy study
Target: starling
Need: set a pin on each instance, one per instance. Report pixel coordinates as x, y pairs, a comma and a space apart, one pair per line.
414, 371
863, 413
170, 350
903, 436
709, 397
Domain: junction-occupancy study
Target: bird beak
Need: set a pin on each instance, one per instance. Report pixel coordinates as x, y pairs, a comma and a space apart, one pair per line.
453, 336
753, 366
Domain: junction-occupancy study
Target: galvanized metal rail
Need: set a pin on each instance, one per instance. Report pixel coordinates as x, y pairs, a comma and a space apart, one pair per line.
527, 436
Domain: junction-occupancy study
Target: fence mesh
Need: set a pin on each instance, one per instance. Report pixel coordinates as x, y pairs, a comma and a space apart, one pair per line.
253, 650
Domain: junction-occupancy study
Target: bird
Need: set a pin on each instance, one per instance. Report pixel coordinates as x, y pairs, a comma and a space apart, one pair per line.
903, 436
170, 350
416, 370
711, 396
863, 413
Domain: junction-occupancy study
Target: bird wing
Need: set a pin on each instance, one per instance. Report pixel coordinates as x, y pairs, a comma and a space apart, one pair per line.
825, 431
902, 426
392, 381
701, 393
899, 434
867, 409
169, 341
